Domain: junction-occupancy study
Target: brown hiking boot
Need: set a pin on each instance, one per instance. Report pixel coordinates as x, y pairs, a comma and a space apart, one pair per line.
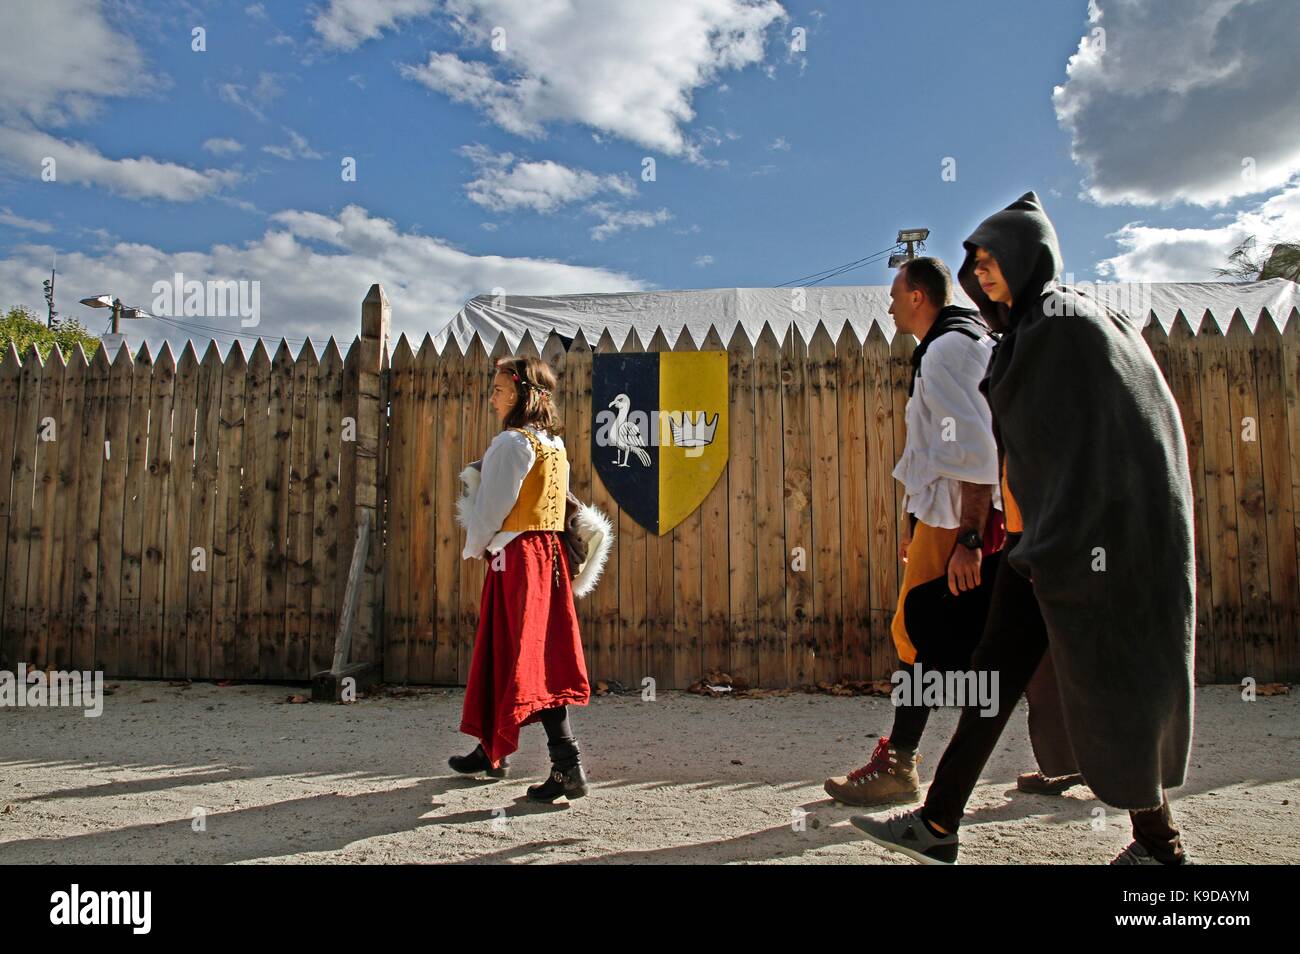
889, 777
1036, 783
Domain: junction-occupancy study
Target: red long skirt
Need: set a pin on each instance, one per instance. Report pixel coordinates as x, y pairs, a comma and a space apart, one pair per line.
528, 651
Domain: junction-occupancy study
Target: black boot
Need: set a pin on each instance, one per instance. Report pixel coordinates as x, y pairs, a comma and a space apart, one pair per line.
477, 762
567, 777
570, 782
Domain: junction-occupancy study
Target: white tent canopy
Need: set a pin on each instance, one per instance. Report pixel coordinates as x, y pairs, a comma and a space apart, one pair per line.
859, 305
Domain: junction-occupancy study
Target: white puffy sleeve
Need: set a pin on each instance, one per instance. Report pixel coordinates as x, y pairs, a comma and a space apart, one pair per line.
505, 465
963, 448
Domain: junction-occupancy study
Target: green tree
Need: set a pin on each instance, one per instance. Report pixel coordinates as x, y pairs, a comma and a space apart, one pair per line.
1247, 262
21, 326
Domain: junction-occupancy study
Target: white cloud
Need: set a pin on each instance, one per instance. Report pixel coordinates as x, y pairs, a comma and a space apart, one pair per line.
780, 144
60, 58
7, 217
704, 261
254, 99
1164, 109
628, 69
14, 221
346, 24
505, 183
614, 221
313, 271
298, 148
1153, 254
24, 151
220, 147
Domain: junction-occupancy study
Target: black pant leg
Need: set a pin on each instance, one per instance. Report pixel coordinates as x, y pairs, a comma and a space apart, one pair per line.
560, 742
1154, 830
1014, 641
909, 724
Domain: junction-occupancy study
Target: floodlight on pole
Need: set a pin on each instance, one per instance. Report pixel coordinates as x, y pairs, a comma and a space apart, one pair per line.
120, 311
909, 237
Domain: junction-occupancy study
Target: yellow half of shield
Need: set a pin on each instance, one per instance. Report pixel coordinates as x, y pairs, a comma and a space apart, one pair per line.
693, 441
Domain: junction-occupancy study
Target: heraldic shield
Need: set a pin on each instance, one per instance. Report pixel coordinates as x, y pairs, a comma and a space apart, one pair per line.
659, 431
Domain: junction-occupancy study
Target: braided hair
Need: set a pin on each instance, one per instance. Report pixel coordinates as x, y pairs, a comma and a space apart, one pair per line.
535, 384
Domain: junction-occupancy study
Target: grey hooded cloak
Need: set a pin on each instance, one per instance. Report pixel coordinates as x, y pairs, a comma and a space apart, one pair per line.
1096, 459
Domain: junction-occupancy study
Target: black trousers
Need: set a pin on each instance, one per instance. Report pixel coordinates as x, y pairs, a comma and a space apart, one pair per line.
560, 743
1013, 645
909, 725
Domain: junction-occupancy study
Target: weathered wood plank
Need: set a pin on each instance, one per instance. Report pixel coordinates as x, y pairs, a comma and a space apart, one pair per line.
742, 516
1278, 457
1185, 382
45, 509
1248, 466
11, 454
130, 661
348, 476
63, 559
882, 507
675, 578
303, 482
828, 546
178, 561
18, 561
235, 449
422, 513
158, 462
633, 662
799, 544
376, 320
577, 441
607, 622
1220, 499
256, 505
87, 537
112, 513
397, 596
1291, 383
855, 541
328, 546
714, 535
453, 577
769, 504
275, 516
200, 585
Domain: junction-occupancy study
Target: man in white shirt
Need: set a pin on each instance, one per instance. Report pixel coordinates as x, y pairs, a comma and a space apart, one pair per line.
949, 473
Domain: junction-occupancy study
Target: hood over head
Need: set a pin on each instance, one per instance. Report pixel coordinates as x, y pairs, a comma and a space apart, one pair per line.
1022, 239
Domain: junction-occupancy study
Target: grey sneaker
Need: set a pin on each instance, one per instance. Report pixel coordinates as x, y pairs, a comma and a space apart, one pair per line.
907, 834
1136, 854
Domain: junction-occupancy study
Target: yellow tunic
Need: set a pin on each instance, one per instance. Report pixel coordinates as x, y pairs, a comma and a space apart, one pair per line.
927, 559
540, 505
1009, 506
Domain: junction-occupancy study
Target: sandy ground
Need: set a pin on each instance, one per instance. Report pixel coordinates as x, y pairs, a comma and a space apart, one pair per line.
683, 779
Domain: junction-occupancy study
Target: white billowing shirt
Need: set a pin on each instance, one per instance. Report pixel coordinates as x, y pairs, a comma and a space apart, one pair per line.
949, 431
506, 463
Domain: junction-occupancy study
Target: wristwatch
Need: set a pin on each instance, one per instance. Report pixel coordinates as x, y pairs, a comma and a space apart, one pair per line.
971, 540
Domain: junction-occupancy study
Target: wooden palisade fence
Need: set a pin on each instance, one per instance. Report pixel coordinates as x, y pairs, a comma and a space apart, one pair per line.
215, 543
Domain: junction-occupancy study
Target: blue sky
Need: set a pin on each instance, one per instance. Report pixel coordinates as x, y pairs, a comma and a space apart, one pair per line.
521, 167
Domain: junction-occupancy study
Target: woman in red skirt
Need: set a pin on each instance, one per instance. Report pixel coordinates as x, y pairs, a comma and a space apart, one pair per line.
527, 665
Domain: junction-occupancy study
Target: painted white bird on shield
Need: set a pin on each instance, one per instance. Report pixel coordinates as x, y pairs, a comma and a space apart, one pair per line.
626, 435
